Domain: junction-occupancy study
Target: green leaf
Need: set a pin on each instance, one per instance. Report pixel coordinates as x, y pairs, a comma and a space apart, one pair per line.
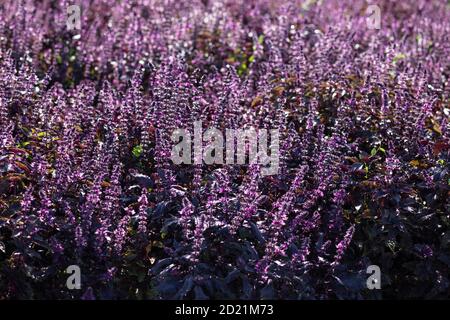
24, 144
373, 151
261, 39
399, 57
242, 69
137, 151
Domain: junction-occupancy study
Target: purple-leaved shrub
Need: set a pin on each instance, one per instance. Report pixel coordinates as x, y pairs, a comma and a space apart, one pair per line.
86, 177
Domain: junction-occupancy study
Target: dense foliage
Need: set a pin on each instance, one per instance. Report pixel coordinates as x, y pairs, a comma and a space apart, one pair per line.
86, 177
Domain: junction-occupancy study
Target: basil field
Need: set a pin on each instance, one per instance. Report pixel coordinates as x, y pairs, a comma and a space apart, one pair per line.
354, 97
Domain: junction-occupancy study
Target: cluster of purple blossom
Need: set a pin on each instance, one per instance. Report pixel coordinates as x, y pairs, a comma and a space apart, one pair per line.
86, 176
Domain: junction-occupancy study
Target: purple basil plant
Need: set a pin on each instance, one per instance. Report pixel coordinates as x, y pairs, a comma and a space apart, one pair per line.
86, 178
